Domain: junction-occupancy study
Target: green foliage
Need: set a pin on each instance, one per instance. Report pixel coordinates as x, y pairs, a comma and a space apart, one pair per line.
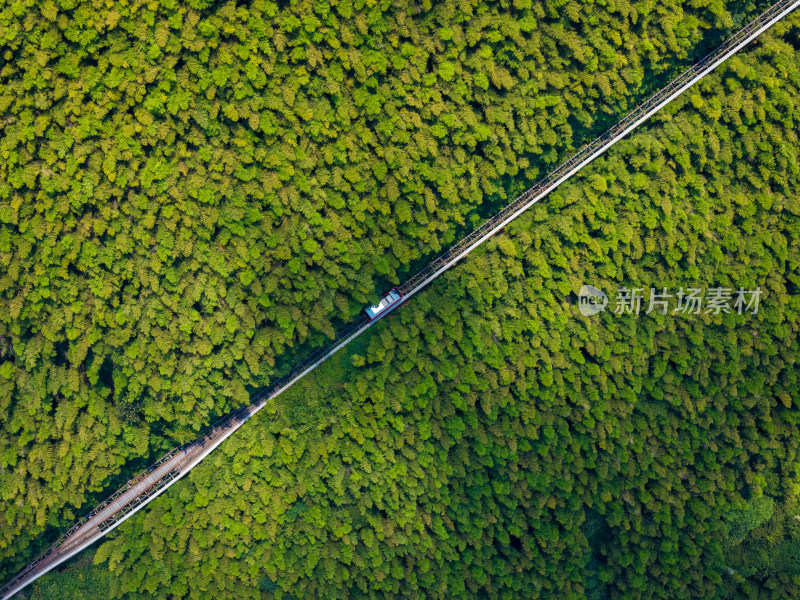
766, 562
189, 191
488, 441
741, 522
81, 580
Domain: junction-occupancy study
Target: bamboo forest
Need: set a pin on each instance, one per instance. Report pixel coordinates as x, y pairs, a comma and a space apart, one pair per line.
196, 194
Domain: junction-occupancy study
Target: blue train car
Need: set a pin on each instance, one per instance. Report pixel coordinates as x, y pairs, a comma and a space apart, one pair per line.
390, 299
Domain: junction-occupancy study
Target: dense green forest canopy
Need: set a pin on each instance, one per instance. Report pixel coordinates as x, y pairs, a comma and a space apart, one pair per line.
488, 441
188, 192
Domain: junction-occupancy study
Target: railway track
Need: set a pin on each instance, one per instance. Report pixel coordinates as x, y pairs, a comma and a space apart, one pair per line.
146, 486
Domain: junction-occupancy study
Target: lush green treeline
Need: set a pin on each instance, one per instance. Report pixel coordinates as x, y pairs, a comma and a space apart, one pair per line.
81, 580
189, 189
488, 441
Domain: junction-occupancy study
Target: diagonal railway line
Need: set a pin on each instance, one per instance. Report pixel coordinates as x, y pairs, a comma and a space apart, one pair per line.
146, 486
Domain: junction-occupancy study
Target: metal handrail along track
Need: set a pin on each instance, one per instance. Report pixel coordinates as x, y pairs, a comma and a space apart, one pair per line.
146, 486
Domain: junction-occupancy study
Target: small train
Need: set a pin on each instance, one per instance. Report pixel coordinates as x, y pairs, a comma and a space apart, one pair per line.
391, 298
